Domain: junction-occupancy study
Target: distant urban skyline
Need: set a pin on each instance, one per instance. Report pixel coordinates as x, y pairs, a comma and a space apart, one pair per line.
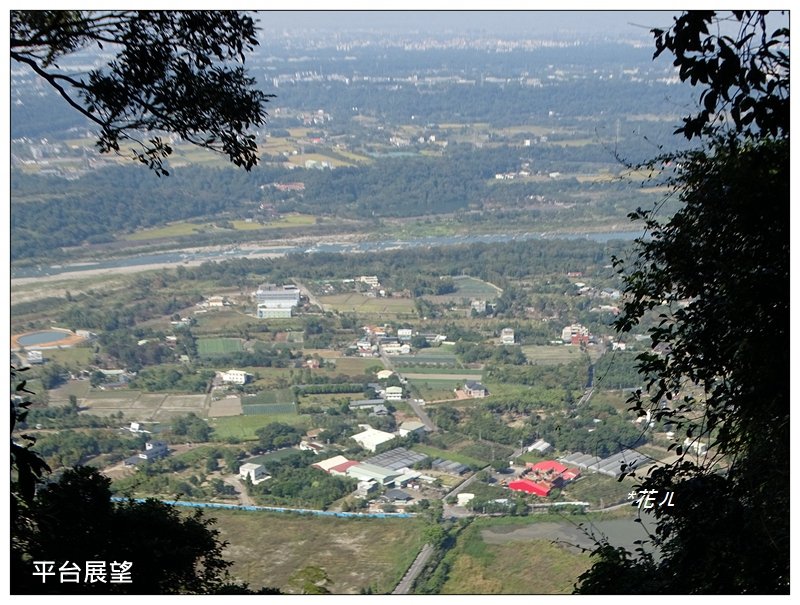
533, 22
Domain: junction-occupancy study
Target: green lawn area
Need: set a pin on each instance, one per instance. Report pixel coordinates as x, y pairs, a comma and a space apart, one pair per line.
245, 226
272, 397
244, 428
223, 321
171, 230
76, 356
276, 402
293, 220
273, 456
434, 390
208, 347
551, 354
268, 548
470, 288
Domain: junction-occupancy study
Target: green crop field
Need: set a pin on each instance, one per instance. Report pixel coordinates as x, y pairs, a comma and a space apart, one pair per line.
598, 489
269, 409
472, 287
272, 397
171, 230
366, 305
267, 549
273, 456
434, 452
209, 347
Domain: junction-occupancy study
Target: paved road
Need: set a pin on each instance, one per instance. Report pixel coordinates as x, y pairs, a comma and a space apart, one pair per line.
426, 420
587, 395
404, 587
311, 298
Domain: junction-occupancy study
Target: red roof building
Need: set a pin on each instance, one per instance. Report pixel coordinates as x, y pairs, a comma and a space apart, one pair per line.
530, 487
341, 469
544, 476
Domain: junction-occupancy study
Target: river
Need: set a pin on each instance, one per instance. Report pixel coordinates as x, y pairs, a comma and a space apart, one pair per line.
196, 256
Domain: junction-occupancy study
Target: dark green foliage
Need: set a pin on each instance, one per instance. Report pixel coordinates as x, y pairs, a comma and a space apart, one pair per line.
746, 76
717, 275
192, 427
292, 484
276, 435
67, 448
27, 464
173, 71
74, 519
164, 378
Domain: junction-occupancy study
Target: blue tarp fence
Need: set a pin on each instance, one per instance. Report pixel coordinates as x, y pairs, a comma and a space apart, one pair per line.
274, 509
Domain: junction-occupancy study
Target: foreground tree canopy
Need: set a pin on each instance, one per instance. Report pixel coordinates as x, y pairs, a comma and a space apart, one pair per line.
717, 274
178, 72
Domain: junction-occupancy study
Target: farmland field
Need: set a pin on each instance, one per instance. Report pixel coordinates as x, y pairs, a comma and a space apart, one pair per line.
270, 548
358, 303
275, 396
514, 566
434, 452
598, 489
470, 288
426, 357
293, 220
269, 409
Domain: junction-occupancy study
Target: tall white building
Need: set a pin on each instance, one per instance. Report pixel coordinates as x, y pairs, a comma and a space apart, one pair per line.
235, 376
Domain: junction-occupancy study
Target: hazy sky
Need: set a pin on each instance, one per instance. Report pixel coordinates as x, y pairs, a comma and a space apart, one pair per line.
633, 23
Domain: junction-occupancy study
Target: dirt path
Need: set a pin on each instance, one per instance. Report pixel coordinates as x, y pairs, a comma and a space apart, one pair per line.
241, 490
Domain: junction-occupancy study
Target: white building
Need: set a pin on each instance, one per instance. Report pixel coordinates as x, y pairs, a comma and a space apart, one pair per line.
507, 336
235, 376
396, 349
365, 471
327, 464
411, 426
276, 301
575, 334
540, 446
256, 472
370, 280
35, 357
404, 334
394, 393
371, 438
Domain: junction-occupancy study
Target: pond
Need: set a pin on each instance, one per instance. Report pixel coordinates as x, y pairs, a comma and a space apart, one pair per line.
40, 338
